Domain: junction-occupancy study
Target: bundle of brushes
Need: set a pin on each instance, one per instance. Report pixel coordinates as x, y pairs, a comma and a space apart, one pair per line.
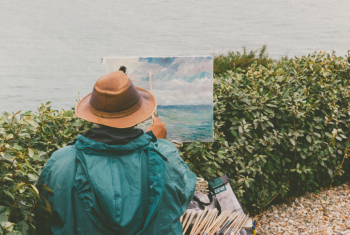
202, 186
208, 222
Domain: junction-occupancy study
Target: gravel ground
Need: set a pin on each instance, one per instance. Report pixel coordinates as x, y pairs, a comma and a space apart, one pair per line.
324, 213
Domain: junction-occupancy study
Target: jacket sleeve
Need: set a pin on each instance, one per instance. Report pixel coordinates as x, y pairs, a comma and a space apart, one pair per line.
178, 173
43, 223
190, 185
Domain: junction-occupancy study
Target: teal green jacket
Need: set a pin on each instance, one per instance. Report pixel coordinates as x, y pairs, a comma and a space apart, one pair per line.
142, 187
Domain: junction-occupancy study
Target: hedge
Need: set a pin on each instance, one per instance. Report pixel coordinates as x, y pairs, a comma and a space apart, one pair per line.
281, 128
237, 61
26, 143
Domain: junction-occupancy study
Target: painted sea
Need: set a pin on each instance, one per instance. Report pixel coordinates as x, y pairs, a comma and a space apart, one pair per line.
186, 123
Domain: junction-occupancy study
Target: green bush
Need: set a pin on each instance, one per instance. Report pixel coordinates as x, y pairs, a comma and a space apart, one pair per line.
280, 129
237, 61
26, 143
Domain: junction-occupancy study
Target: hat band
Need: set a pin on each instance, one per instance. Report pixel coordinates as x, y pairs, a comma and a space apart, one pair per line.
116, 114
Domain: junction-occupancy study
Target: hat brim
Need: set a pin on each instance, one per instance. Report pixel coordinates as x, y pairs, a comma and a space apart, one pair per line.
148, 107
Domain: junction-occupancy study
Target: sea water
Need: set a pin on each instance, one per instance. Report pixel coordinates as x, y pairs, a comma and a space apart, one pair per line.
50, 50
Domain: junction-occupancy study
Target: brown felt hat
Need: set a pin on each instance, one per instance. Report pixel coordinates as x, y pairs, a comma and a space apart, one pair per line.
116, 102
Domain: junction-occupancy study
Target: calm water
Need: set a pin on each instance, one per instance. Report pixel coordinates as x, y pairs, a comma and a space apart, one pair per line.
186, 123
50, 50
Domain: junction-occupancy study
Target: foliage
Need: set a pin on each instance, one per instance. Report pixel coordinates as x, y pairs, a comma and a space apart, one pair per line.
280, 129
26, 142
237, 61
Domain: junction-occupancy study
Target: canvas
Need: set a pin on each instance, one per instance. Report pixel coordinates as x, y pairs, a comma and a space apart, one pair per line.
183, 87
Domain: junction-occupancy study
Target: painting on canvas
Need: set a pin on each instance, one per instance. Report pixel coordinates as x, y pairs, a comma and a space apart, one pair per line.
183, 87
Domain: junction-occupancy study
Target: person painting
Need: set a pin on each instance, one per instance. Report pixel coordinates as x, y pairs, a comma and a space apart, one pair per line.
116, 179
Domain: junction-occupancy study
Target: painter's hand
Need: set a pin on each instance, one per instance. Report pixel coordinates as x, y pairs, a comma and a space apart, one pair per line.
158, 128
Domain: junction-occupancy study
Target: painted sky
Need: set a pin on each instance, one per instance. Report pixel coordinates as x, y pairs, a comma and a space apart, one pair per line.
176, 80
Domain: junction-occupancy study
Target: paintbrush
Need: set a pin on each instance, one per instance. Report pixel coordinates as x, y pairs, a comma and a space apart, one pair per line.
155, 114
220, 221
228, 222
188, 213
209, 223
194, 212
238, 221
198, 221
205, 220
240, 226
233, 224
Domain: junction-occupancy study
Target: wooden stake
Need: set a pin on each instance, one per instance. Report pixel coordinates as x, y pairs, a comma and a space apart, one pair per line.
205, 220
198, 220
239, 227
218, 219
150, 87
194, 212
233, 228
188, 212
233, 224
210, 221
219, 222
228, 223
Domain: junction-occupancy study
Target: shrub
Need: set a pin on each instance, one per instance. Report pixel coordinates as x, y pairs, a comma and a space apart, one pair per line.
280, 129
26, 142
237, 61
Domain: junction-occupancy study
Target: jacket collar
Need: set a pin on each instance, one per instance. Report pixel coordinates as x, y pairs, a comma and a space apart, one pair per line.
144, 140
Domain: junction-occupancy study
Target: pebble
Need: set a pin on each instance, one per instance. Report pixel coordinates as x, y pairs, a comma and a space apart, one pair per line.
327, 213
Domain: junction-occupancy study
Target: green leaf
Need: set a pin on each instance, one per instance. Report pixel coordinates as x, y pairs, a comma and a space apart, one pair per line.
48, 205
285, 93
24, 135
44, 208
275, 157
330, 172
23, 227
47, 189
22, 122
268, 122
331, 150
292, 141
32, 122
36, 157
30, 152
32, 177
3, 209
68, 113
3, 218
234, 133
6, 117
308, 138
17, 147
9, 194
35, 190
